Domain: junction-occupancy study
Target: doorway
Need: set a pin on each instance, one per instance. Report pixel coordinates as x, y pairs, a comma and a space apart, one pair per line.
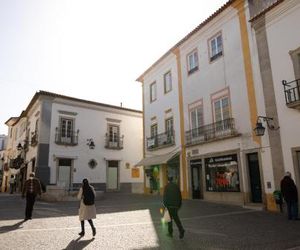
64, 173
112, 175
196, 177
254, 174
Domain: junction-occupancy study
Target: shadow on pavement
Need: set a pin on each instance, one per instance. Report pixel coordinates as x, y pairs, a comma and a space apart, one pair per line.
78, 244
5, 229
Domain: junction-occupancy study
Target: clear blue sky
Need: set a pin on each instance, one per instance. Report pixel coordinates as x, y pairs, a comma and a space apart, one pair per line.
89, 49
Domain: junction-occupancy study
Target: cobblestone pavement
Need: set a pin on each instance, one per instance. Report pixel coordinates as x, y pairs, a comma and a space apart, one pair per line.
126, 221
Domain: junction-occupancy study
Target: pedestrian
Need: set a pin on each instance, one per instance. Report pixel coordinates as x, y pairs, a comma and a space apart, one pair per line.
290, 195
12, 184
31, 189
87, 209
172, 201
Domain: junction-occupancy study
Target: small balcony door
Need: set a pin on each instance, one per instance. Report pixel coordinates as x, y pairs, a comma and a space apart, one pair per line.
66, 130
113, 136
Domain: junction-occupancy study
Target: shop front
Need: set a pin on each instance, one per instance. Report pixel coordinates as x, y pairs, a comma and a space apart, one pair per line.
222, 178
157, 169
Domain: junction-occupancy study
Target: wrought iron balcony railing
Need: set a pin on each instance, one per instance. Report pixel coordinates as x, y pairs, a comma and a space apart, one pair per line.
68, 138
114, 142
210, 132
161, 140
292, 93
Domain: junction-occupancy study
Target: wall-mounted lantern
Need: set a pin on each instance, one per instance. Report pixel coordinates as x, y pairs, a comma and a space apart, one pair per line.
260, 129
91, 143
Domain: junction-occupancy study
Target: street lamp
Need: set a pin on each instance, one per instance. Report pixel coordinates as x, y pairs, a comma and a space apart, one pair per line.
260, 129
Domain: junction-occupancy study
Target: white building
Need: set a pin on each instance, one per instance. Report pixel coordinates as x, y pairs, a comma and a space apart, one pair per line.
275, 26
210, 84
65, 139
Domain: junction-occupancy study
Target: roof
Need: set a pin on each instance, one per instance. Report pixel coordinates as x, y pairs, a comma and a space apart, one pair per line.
54, 95
200, 26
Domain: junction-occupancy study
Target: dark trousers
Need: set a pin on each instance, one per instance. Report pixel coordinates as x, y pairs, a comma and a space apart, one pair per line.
173, 211
82, 225
30, 199
292, 209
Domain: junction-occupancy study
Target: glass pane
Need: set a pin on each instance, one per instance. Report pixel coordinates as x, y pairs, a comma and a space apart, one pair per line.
213, 47
219, 43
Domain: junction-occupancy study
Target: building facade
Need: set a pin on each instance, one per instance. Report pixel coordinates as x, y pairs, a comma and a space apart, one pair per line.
277, 49
64, 139
217, 84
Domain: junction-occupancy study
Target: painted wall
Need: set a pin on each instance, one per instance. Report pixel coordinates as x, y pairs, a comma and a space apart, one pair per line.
163, 102
284, 18
92, 123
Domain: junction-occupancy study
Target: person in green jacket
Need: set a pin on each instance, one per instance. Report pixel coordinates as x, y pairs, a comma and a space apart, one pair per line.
172, 201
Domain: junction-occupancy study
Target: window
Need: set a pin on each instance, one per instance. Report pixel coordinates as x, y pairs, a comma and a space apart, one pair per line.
295, 56
36, 129
196, 120
153, 130
192, 60
221, 108
216, 47
66, 130
222, 174
113, 132
222, 113
153, 92
169, 126
167, 82
152, 141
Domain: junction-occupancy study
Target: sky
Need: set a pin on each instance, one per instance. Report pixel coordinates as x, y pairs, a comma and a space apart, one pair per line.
88, 49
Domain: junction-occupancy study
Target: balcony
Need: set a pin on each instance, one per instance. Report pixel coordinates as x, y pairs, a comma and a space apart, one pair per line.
165, 139
292, 93
115, 142
69, 138
211, 132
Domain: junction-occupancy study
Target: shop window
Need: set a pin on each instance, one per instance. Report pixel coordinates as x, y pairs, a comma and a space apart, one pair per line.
222, 174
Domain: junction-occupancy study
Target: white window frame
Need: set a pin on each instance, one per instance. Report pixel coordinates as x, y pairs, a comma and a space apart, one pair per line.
66, 133
215, 49
153, 130
167, 82
153, 92
169, 125
192, 61
113, 133
198, 117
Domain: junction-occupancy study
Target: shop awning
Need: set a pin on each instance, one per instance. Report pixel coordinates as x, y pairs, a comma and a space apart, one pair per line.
157, 159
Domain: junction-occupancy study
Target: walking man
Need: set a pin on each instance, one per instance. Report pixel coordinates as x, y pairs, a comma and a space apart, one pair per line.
32, 188
290, 195
172, 201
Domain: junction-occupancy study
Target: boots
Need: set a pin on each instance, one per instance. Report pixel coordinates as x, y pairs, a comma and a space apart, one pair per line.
82, 228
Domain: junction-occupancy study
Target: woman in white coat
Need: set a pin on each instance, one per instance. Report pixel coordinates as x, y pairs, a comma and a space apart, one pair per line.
87, 209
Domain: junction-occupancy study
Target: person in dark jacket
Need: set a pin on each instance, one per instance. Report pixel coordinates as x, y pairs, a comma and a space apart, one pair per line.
290, 195
31, 189
172, 201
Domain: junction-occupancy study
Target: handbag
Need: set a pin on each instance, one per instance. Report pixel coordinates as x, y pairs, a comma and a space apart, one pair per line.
166, 217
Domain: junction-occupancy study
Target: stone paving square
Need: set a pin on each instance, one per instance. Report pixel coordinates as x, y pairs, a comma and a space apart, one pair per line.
128, 221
